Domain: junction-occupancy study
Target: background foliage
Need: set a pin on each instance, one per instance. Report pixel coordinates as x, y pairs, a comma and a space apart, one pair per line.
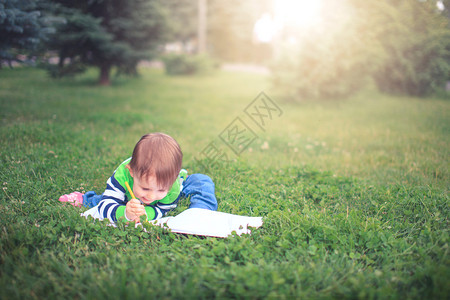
22, 27
403, 45
184, 64
229, 27
417, 49
400, 46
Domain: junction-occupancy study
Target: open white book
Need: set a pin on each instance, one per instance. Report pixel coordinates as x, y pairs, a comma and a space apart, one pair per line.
198, 221
205, 222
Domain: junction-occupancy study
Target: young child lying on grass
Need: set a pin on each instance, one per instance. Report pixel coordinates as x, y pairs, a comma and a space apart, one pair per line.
157, 180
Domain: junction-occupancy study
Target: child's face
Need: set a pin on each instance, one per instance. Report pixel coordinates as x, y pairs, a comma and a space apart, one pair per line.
147, 189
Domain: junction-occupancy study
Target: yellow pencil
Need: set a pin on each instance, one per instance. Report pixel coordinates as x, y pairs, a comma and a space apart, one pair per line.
130, 190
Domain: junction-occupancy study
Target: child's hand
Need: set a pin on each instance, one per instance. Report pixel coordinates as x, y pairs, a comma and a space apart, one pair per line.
134, 210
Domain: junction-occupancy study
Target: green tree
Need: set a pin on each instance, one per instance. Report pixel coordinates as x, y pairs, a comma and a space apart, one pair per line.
402, 44
416, 39
107, 34
22, 27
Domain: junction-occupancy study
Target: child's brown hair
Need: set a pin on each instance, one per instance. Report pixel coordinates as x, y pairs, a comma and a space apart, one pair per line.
157, 154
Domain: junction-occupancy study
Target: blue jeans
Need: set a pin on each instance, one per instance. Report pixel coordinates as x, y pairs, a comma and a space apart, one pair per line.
201, 190
197, 186
91, 199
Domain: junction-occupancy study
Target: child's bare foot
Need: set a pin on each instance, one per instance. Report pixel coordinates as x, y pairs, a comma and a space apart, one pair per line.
75, 199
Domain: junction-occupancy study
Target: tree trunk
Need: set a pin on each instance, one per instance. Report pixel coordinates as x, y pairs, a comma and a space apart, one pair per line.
62, 57
201, 30
104, 75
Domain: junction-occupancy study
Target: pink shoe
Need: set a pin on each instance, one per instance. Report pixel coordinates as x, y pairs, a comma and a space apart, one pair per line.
75, 199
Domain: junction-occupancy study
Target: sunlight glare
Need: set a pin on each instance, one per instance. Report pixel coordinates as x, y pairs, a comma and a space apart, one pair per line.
303, 13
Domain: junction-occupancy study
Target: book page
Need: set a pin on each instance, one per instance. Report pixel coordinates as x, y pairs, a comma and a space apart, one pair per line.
205, 222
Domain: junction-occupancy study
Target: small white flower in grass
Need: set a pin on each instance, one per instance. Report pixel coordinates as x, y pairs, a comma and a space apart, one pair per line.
265, 146
309, 147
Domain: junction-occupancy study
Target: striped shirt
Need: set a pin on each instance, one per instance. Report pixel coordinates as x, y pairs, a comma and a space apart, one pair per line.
116, 196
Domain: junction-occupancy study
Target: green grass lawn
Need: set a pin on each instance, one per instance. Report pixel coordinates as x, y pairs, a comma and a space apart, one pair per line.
354, 193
